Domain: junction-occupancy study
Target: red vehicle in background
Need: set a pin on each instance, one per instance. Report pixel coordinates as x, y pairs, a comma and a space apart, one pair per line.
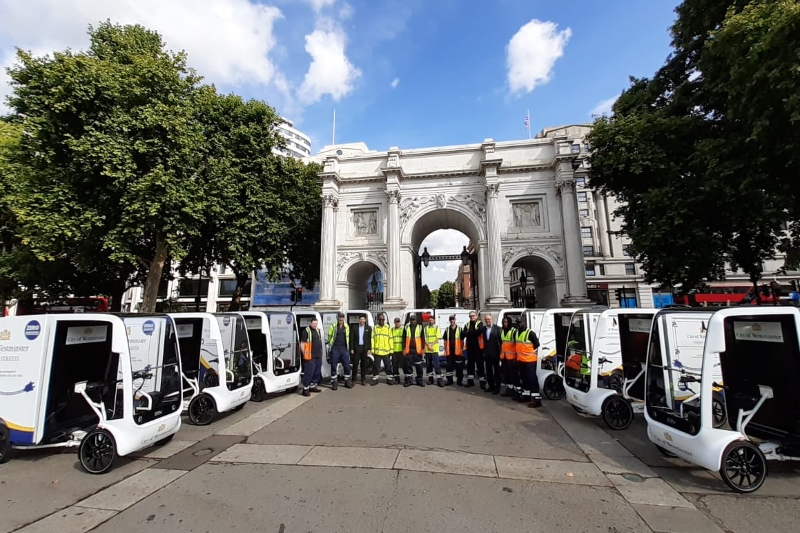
725, 295
95, 304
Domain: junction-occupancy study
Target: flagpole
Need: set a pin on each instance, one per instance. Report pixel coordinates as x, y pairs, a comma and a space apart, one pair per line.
529, 124
333, 143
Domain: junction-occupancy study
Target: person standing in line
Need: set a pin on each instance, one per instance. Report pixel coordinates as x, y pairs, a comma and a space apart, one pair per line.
311, 344
382, 350
454, 352
398, 359
491, 354
432, 337
339, 348
361, 348
527, 346
474, 343
508, 357
413, 341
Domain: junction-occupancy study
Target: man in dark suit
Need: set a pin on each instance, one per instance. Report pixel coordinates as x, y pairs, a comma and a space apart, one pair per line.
361, 347
491, 354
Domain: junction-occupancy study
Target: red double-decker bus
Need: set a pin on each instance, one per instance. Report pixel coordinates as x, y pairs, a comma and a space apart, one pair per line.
94, 304
724, 295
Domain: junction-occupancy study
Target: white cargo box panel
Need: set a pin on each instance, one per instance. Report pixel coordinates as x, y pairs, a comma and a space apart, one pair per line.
145, 342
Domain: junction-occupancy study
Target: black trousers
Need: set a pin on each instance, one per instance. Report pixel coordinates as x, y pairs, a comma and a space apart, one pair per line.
510, 372
455, 366
530, 383
475, 363
417, 362
398, 364
360, 359
492, 371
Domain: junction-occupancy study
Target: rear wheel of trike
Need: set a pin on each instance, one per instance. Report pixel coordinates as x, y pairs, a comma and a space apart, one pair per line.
259, 391
97, 451
617, 412
743, 466
554, 387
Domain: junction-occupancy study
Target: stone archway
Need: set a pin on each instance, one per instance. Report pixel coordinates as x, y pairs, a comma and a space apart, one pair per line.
355, 279
543, 268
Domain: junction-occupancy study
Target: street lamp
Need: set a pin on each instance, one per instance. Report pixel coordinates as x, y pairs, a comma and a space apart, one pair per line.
464, 256
374, 284
426, 257
523, 281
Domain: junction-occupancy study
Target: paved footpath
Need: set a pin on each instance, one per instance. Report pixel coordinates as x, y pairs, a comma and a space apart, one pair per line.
393, 459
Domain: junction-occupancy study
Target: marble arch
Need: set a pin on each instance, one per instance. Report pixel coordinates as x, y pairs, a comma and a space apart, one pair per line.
512, 199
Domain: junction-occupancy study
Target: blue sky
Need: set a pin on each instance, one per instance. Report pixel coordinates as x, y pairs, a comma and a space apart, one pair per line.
406, 73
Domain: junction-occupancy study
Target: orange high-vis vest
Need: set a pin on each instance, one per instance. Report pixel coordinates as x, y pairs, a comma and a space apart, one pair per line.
526, 353
508, 348
306, 346
446, 338
478, 325
417, 340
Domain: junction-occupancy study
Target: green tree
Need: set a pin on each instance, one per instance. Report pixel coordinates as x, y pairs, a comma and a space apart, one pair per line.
697, 190
114, 155
447, 295
424, 297
433, 301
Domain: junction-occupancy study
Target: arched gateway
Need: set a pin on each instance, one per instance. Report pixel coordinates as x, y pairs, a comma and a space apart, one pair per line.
514, 200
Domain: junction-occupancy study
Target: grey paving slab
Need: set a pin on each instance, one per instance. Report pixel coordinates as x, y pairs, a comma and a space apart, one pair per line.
457, 504
430, 418
622, 465
676, 519
651, 491
126, 493
271, 412
447, 462
285, 454
225, 497
200, 453
350, 457
551, 471
222, 421
168, 450
70, 520
36, 484
692, 480
753, 513
590, 438
635, 440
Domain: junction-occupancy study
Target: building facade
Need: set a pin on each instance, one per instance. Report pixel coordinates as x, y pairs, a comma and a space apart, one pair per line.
298, 144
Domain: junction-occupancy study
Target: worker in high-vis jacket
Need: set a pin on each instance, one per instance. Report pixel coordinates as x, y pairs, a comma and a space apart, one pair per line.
398, 359
339, 348
311, 346
454, 352
472, 334
432, 337
382, 350
508, 358
413, 341
527, 345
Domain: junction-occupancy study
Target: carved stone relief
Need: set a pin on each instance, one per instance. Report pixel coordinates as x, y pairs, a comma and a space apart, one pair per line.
347, 257
409, 206
527, 215
365, 222
552, 251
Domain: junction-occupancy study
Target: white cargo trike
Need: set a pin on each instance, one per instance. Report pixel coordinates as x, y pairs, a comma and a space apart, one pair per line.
553, 332
109, 385
274, 344
609, 382
214, 345
758, 350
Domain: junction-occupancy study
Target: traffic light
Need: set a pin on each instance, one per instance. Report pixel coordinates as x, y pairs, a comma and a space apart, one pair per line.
793, 285
299, 296
293, 294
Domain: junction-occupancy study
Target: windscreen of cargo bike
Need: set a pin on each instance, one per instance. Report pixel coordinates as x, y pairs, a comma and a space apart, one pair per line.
634, 337
155, 353
238, 364
191, 342
561, 325
674, 371
284, 349
81, 352
258, 341
577, 370
763, 350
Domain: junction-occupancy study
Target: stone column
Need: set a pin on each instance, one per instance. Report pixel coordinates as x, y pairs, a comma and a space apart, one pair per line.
496, 292
327, 268
394, 299
576, 269
602, 220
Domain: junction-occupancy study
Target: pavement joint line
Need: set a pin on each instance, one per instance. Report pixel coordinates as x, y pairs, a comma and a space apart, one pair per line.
306, 454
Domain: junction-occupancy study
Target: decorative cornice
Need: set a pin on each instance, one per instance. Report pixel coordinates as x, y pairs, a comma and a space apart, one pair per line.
552, 251
329, 200
344, 258
409, 206
394, 196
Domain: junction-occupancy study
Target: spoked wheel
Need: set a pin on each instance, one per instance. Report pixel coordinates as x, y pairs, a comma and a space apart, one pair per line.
97, 451
548, 364
165, 440
211, 379
617, 412
5, 444
202, 410
615, 382
719, 411
744, 467
259, 391
554, 387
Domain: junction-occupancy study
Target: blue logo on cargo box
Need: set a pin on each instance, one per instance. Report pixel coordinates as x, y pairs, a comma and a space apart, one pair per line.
32, 330
288, 320
226, 321
149, 327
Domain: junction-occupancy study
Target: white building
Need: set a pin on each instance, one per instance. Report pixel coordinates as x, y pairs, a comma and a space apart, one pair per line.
298, 144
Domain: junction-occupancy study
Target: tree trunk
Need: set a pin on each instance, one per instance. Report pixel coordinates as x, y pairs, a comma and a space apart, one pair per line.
117, 291
757, 291
154, 276
236, 299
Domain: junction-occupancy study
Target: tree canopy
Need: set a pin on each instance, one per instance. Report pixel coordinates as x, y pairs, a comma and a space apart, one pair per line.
702, 155
446, 295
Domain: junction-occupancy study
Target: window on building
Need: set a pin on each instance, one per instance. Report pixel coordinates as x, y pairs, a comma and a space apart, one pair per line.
228, 286
586, 232
583, 212
602, 269
626, 250
580, 182
581, 196
223, 269
576, 148
590, 270
630, 269
162, 288
588, 251
191, 287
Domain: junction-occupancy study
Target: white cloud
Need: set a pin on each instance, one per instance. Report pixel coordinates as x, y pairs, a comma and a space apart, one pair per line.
346, 11
319, 4
442, 242
227, 41
603, 107
330, 71
532, 53
395, 83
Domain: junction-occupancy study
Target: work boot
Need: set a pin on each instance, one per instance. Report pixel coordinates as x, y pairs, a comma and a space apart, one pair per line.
348, 383
515, 392
430, 380
496, 390
420, 383
408, 382
363, 382
315, 389
488, 388
470, 383
508, 392
450, 380
536, 401
335, 384
374, 381
440, 382
483, 384
306, 392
